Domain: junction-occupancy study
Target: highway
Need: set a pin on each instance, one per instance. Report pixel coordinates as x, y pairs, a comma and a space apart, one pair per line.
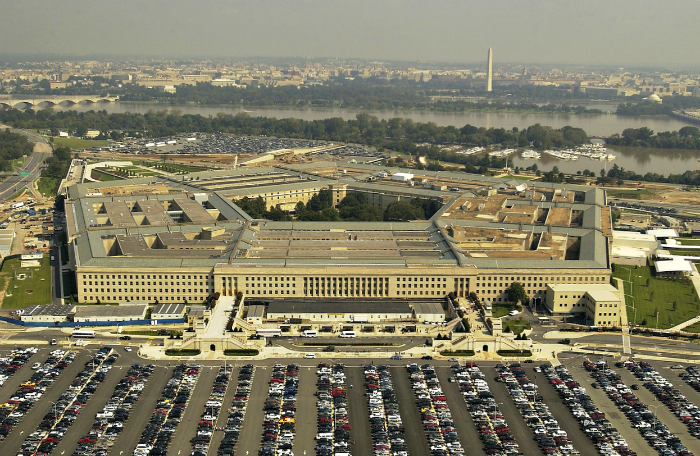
13, 184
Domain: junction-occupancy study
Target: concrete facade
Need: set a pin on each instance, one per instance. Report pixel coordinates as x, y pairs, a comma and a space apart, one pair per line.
599, 304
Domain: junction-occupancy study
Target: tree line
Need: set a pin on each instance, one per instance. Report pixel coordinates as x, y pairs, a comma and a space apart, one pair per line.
395, 134
353, 207
685, 138
12, 147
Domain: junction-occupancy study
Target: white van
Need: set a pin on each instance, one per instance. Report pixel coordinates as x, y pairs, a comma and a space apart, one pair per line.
309, 333
348, 334
324, 435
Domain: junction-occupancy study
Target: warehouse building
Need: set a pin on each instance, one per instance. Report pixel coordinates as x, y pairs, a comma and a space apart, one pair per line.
47, 313
122, 312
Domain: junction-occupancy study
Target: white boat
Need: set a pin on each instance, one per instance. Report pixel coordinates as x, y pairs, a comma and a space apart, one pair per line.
530, 154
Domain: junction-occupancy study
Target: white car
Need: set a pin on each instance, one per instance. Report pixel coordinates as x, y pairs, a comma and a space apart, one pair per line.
310, 356
127, 349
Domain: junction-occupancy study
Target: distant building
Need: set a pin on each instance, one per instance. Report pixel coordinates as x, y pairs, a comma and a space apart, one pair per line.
167, 89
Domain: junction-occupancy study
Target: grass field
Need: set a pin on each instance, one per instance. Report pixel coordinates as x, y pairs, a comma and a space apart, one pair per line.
517, 325
521, 177
104, 177
30, 291
694, 328
48, 185
77, 143
501, 310
659, 295
627, 193
688, 241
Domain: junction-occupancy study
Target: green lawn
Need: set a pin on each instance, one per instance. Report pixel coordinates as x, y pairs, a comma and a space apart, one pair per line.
102, 176
30, 291
77, 143
694, 328
627, 193
48, 185
501, 310
517, 325
659, 295
521, 177
688, 241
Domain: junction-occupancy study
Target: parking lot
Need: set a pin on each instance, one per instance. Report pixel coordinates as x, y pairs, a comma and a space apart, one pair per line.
301, 402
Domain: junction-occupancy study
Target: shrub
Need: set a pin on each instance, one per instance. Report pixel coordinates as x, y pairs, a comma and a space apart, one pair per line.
182, 352
241, 352
457, 353
525, 353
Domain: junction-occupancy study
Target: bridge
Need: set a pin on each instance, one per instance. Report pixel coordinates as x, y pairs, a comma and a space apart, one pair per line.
7, 101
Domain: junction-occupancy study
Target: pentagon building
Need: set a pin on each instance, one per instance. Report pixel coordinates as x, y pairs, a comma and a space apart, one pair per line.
175, 239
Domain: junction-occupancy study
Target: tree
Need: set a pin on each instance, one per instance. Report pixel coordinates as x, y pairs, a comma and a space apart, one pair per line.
401, 212
516, 293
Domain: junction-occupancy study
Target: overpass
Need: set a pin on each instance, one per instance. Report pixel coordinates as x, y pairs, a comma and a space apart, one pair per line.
7, 101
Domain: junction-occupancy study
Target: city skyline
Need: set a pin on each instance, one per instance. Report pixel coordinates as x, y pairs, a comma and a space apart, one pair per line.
592, 33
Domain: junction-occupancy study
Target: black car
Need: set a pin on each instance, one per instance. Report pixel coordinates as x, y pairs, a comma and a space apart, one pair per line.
426, 357
125, 338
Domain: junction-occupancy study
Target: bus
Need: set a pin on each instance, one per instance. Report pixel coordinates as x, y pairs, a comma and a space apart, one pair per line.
268, 332
83, 334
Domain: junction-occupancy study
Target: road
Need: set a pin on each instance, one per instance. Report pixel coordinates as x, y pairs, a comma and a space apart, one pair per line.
13, 184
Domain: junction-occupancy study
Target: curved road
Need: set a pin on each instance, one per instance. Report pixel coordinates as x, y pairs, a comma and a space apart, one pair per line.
13, 184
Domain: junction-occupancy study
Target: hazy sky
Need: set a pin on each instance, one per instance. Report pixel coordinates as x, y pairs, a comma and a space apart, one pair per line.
617, 32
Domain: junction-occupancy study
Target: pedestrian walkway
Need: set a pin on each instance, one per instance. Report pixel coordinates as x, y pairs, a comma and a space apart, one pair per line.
685, 324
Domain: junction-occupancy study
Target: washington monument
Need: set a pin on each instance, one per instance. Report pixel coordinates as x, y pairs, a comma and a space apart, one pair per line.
489, 72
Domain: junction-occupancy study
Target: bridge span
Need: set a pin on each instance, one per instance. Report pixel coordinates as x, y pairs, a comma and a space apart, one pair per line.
7, 101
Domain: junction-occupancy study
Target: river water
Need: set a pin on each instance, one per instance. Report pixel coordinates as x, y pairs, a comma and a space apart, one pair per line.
641, 160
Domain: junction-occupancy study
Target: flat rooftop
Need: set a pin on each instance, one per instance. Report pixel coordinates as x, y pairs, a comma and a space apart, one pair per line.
340, 306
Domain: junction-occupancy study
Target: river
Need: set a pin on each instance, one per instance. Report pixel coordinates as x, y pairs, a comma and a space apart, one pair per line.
641, 160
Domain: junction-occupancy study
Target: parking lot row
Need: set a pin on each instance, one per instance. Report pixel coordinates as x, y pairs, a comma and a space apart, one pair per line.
109, 421
14, 361
592, 421
236, 414
167, 414
496, 436
332, 425
550, 437
212, 408
66, 409
686, 411
436, 417
280, 411
388, 433
29, 393
656, 433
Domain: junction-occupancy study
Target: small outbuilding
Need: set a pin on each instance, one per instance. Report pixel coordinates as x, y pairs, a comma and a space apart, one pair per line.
168, 311
676, 267
255, 314
428, 311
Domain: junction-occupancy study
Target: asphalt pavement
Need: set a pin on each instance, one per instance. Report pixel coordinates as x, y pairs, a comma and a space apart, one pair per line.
358, 413
187, 428
520, 430
634, 439
561, 412
305, 416
141, 412
251, 433
416, 441
466, 428
83, 423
